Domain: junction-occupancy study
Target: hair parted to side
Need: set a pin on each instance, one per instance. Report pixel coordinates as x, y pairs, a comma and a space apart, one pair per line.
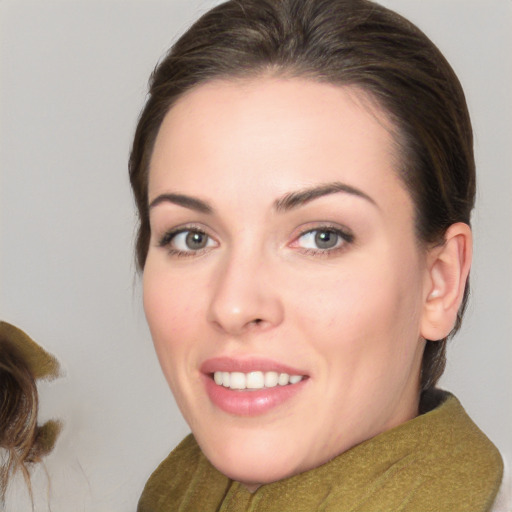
343, 42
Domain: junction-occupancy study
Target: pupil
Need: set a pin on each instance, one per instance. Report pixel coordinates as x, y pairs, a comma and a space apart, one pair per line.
326, 239
196, 240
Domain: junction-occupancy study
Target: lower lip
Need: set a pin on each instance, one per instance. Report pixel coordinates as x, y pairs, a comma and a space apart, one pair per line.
250, 402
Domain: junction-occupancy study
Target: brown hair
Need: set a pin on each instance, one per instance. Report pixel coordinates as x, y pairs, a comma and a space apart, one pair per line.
345, 42
24, 441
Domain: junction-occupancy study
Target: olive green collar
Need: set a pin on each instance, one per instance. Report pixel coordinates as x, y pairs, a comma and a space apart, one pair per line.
439, 461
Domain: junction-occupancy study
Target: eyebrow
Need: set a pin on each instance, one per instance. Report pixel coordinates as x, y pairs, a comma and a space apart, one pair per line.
288, 202
191, 203
301, 197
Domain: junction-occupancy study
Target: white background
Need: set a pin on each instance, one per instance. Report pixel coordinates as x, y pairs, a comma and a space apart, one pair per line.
73, 78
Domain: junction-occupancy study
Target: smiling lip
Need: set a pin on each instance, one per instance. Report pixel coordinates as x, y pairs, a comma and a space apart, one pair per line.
249, 402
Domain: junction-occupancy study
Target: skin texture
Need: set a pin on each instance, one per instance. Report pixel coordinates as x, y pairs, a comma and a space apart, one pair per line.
350, 318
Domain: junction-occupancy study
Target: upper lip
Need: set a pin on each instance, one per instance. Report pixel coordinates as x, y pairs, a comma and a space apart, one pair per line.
230, 364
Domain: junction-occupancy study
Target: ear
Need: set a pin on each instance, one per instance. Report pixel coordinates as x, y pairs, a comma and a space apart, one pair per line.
448, 269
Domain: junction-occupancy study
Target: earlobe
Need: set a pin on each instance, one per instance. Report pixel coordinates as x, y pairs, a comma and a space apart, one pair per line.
448, 270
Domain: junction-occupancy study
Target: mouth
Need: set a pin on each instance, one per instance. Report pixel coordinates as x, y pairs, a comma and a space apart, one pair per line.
251, 387
254, 380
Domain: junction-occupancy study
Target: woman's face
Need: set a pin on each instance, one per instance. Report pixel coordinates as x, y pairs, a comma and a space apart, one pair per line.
284, 286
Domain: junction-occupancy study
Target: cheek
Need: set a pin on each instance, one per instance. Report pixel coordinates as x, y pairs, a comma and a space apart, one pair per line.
171, 313
369, 309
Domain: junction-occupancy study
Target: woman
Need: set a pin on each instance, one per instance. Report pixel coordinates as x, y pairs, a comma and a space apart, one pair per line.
304, 178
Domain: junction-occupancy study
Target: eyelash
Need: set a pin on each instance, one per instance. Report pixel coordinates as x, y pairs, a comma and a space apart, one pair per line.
167, 239
345, 236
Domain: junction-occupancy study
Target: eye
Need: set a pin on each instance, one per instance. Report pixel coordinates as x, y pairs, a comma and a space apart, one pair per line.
319, 239
323, 240
186, 241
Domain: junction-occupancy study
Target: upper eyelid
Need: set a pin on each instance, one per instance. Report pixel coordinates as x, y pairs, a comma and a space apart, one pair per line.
186, 226
347, 241
346, 234
325, 226
170, 234
166, 242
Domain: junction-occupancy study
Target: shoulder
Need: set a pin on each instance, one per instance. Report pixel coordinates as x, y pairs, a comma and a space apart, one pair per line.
503, 501
457, 462
185, 480
439, 461
450, 434
171, 476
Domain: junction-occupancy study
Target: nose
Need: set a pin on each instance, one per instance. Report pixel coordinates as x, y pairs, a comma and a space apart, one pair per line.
245, 296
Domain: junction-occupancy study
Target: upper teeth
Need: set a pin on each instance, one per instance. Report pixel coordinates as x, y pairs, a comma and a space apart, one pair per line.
254, 380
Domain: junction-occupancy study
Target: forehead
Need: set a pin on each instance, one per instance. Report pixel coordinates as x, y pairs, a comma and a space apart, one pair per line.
291, 132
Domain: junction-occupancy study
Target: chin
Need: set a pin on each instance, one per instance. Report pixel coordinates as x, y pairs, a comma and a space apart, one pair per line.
252, 461
253, 474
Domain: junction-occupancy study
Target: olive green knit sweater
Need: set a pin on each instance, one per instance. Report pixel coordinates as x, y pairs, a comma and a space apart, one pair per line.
437, 462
